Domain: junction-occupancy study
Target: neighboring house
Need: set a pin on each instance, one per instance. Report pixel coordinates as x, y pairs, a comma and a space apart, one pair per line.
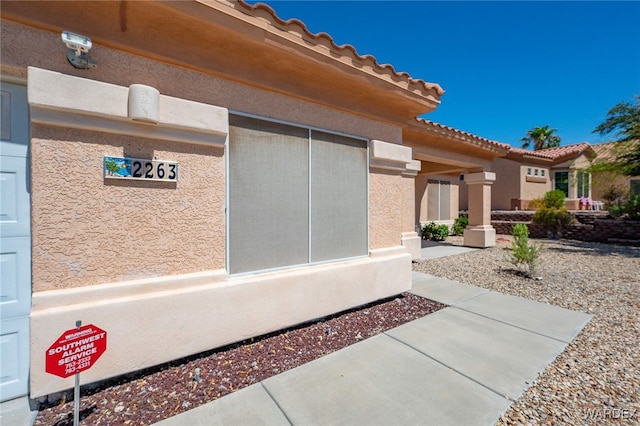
446, 155
604, 181
221, 174
527, 175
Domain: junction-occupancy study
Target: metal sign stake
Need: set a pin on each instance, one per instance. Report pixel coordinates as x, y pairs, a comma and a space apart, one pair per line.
76, 392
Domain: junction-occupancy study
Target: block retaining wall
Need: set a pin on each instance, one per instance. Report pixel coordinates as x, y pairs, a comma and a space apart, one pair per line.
591, 227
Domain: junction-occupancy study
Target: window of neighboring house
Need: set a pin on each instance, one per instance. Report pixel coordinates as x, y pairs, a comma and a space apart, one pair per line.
536, 172
542, 172
561, 182
634, 187
438, 199
583, 184
529, 171
296, 196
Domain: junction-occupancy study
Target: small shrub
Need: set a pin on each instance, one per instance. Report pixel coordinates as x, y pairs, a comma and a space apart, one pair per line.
536, 203
460, 224
554, 199
632, 207
434, 232
524, 256
615, 195
553, 218
615, 210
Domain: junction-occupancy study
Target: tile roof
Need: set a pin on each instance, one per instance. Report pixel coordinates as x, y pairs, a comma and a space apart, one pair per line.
555, 154
610, 150
298, 27
460, 135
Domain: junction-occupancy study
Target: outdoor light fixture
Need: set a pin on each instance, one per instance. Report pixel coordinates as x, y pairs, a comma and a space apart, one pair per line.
78, 53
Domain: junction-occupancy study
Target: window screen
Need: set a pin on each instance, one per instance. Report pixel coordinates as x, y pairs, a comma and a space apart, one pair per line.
295, 196
438, 200
338, 197
268, 195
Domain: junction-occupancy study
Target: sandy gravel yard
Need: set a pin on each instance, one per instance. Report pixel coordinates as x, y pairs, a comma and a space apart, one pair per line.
596, 380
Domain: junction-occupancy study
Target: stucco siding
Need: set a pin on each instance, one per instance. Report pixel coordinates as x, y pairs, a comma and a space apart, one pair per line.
507, 184
385, 209
88, 231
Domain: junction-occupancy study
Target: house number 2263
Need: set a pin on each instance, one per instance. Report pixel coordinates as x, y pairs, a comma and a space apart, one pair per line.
140, 169
154, 170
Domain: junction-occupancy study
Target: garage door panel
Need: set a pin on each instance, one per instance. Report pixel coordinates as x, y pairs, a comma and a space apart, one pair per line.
15, 271
14, 366
14, 120
14, 197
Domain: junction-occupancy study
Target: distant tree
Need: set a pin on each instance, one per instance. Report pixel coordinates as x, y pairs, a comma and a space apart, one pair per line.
540, 138
624, 120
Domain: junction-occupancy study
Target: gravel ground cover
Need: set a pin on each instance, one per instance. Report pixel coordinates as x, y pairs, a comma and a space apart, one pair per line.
596, 380
153, 395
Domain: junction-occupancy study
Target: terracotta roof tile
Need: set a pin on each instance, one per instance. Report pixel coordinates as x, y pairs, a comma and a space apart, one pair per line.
556, 153
463, 136
297, 26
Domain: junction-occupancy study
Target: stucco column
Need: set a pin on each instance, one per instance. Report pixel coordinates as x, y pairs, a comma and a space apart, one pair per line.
480, 233
410, 238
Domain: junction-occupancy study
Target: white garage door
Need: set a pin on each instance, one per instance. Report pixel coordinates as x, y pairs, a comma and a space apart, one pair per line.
15, 242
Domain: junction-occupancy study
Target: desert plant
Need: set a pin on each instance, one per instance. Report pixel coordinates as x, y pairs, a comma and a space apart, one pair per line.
553, 218
524, 256
460, 224
553, 214
433, 232
615, 194
554, 199
632, 207
536, 203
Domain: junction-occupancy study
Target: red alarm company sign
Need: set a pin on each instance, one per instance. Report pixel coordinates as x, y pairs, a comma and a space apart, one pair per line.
76, 350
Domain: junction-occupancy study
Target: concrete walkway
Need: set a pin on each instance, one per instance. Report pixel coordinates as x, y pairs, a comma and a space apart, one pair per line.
463, 365
434, 250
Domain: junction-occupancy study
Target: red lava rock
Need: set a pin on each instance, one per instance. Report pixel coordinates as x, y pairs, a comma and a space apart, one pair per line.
154, 394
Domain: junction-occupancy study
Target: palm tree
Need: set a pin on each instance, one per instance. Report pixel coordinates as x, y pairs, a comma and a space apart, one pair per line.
540, 138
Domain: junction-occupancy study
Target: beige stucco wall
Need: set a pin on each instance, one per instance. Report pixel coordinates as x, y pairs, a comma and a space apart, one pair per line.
532, 187
385, 208
117, 253
507, 184
601, 182
89, 231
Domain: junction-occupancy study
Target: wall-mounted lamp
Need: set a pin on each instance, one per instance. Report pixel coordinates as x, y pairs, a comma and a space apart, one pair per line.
78, 53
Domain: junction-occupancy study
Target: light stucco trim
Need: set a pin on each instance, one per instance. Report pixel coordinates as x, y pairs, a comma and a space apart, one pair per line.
391, 156
52, 299
484, 178
66, 101
188, 319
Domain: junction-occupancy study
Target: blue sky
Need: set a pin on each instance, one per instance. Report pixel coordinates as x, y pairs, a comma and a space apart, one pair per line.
506, 66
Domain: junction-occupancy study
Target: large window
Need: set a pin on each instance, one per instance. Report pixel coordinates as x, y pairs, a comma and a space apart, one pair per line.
584, 187
296, 196
438, 200
561, 182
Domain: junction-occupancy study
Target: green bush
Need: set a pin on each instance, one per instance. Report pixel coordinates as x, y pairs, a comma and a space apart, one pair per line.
460, 224
554, 199
434, 232
524, 256
536, 203
632, 207
554, 218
